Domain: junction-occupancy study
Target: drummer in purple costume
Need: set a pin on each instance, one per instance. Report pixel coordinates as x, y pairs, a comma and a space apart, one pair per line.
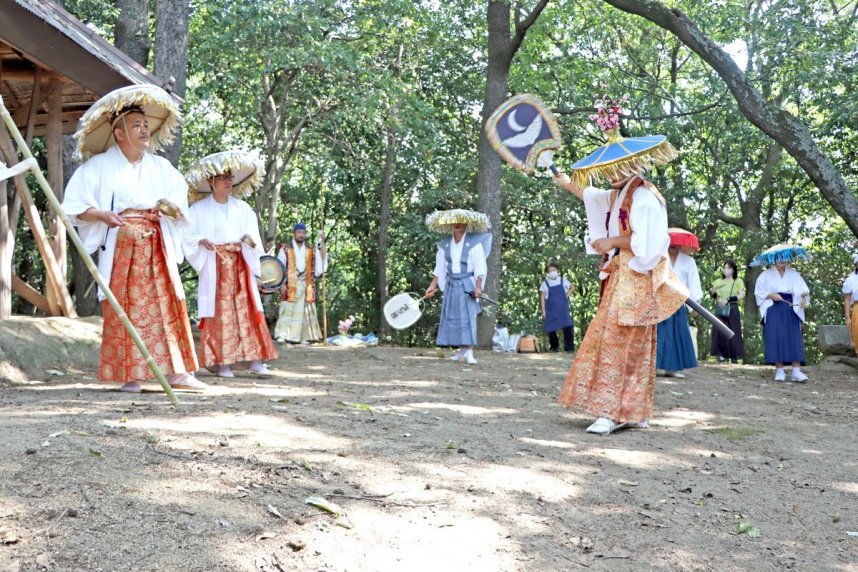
460, 272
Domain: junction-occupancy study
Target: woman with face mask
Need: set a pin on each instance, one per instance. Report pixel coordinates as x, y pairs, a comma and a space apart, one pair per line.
554, 302
850, 300
727, 292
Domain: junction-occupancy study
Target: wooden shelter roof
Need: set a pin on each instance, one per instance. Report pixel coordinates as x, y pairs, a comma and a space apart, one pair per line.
38, 38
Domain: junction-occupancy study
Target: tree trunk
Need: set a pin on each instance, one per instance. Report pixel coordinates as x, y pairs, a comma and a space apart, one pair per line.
386, 200
502, 47
778, 124
131, 30
54, 143
171, 57
489, 174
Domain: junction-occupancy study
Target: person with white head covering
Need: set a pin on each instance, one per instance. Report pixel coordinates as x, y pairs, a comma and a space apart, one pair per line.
223, 245
850, 301
128, 204
782, 296
298, 322
460, 273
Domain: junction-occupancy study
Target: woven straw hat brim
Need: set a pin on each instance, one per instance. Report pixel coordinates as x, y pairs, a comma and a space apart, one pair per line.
94, 134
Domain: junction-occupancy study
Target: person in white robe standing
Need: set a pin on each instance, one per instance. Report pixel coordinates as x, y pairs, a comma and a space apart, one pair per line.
115, 199
298, 322
782, 296
460, 273
675, 348
223, 245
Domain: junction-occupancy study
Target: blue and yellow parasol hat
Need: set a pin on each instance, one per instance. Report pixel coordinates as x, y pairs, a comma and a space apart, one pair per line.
780, 253
620, 157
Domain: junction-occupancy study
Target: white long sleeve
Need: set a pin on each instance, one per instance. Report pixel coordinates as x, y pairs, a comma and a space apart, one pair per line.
110, 182
685, 268
648, 219
771, 282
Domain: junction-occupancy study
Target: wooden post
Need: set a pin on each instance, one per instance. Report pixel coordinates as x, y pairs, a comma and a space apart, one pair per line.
35, 102
30, 294
55, 174
7, 246
53, 276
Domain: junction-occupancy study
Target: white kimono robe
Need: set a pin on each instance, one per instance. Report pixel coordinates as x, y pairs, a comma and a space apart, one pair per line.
209, 221
110, 182
686, 270
476, 262
771, 282
649, 231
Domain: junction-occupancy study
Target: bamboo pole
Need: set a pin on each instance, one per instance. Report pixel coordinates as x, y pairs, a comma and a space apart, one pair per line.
90, 265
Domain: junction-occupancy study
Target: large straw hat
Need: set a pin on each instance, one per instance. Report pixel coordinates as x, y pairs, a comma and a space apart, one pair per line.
94, 134
443, 221
246, 169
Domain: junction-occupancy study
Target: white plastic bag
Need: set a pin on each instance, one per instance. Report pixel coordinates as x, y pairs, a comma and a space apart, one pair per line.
500, 339
512, 344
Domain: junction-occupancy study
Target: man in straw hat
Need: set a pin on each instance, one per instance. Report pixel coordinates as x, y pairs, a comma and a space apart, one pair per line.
223, 245
113, 199
460, 272
298, 322
613, 375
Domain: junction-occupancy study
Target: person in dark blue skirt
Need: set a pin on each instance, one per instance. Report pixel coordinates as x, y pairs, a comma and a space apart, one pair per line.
674, 346
782, 295
554, 301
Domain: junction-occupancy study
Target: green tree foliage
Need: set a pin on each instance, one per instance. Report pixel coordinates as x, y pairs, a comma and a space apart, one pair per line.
312, 86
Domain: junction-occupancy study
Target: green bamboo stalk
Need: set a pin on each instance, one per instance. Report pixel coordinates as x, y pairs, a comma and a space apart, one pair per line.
90, 265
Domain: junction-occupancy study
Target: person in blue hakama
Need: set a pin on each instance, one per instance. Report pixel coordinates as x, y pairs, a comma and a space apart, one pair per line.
674, 346
460, 273
554, 301
782, 295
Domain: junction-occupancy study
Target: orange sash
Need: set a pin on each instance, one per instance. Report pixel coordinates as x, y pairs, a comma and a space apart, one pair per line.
649, 298
292, 274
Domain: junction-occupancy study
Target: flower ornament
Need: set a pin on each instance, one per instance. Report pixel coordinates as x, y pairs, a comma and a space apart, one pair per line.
608, 112
345, 325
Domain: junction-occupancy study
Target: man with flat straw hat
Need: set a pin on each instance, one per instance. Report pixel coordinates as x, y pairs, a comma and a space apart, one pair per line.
128, 205
223, 245
460, 272
613, 375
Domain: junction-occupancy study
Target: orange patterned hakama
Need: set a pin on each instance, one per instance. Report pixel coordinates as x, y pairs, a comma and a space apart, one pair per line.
238, 331
613, 374
140, 280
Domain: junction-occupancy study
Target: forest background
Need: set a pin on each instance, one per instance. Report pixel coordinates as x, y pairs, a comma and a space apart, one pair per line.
368, 115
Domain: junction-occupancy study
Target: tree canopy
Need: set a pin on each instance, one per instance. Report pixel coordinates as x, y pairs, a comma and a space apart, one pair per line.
368, 116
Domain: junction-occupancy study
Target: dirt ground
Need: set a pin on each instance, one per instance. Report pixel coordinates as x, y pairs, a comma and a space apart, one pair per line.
434, 466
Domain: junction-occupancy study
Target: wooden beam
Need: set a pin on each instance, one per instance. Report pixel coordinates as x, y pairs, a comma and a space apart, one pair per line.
7, 248
30, 294
55, 278
35, 102
28, 76
54, 138
69, 127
